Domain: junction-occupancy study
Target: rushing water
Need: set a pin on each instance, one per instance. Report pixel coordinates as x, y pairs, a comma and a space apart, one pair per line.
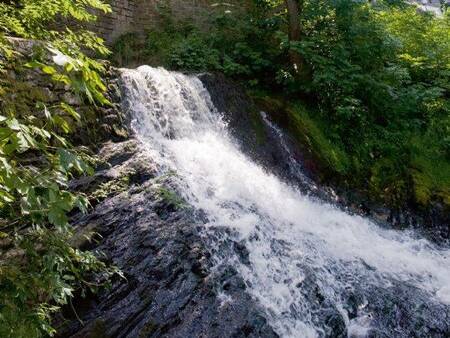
293, 241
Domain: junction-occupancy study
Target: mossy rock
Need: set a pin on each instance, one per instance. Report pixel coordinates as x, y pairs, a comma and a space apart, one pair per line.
171, 198
111, 188
296, 118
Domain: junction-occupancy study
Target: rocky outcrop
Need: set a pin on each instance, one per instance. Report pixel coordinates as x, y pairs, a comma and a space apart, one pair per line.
172, 286
148, 231
258, 138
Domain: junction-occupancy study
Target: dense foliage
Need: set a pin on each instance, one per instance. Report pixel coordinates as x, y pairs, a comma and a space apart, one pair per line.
230, 40
39, 269
381, 77
375, 83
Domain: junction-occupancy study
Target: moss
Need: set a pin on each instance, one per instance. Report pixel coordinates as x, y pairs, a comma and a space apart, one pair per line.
430, 171
171, 198
110, 188
309, 132
21, 96
444, 196
267, 103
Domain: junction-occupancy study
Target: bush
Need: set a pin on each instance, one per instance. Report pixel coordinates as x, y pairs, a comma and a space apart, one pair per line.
236, 44
381, 77
39, 269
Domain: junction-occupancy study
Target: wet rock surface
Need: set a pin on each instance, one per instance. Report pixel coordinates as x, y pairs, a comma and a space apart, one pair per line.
260, 140
169, 288
405, 311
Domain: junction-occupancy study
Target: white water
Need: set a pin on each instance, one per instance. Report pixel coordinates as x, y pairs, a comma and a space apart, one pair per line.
285, 232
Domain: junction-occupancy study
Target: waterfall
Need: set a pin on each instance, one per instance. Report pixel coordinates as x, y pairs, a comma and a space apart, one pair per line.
306, 258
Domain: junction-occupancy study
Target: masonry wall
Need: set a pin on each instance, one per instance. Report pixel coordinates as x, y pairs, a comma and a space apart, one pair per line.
139, 15
125, 17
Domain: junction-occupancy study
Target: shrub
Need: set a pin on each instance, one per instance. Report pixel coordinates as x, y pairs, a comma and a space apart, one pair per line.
39, 270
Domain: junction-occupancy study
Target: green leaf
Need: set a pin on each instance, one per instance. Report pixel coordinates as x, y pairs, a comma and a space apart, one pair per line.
22, 141
6, 196
69, 161
82, 203
13, 124
5, 164
72, 112
57, 216
48, 70
47, 113
62, 123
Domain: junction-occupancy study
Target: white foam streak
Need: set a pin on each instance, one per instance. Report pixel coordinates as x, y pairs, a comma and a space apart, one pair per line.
284, 230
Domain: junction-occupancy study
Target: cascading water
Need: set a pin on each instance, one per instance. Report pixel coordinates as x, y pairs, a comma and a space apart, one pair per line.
308, 261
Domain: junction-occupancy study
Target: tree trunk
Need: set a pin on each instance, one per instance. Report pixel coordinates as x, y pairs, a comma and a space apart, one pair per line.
294, 8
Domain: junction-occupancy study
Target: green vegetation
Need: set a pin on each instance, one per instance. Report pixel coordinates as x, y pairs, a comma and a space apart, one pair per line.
381, 77
39, 269
234, 44
110, 188
171, 198
383, 87
370, 96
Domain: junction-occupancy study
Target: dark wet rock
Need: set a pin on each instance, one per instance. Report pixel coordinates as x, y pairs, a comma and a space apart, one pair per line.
353, 303
169, 290
407, 311
256, 139
432, 222
334, 322
242, 252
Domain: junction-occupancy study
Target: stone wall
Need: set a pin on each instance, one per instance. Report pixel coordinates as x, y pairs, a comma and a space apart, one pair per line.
127, 16
30, 85
139, 15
